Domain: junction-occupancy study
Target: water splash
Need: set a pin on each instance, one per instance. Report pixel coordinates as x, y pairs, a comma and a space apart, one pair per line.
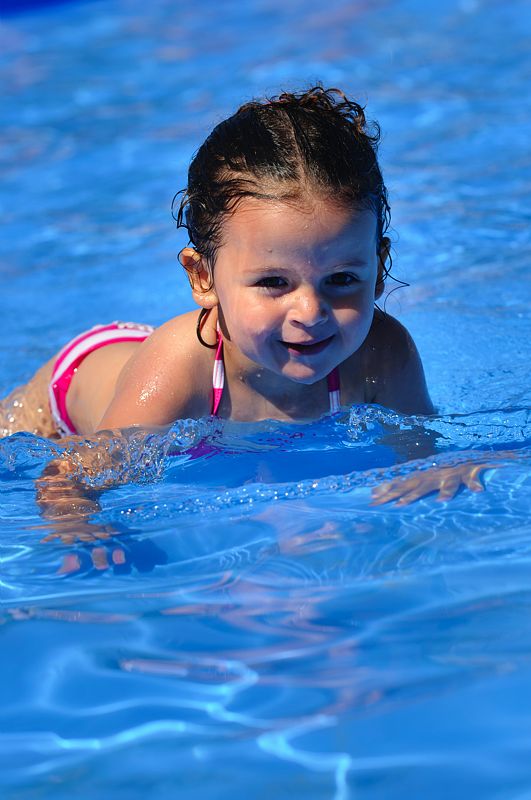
481, 429
139, 456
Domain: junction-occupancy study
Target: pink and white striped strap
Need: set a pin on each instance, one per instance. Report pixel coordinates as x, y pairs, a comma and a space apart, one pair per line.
334, 392
218, 382
218, 376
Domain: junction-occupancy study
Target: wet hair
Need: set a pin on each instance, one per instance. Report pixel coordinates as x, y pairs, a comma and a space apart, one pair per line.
285, 148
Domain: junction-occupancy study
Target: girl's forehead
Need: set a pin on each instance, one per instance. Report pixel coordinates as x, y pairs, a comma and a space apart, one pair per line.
275, 223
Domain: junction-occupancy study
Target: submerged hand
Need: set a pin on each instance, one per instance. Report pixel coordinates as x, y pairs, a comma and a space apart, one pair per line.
98, 547
98, 552
445, 480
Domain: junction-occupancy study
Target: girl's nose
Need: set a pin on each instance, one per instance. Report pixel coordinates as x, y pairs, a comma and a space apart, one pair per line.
309, 309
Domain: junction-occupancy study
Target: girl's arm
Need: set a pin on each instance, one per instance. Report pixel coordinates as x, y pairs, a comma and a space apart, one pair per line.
64, 493
159, 384
401, 386
68, 494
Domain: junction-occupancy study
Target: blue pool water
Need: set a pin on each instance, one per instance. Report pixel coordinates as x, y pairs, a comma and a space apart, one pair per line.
272, 633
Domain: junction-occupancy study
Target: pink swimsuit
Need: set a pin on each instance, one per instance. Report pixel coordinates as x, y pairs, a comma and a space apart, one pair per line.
71, 356
74, 353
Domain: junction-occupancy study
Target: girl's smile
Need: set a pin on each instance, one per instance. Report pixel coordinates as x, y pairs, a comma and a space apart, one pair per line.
308, 348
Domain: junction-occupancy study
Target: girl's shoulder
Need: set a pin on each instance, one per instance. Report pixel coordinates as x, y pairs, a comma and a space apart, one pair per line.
392, 367
169, 377
175, 350
176, 336
389, 340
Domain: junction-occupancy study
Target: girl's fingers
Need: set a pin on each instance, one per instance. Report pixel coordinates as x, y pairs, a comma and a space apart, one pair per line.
118, 556
416, 494
473, 480
392, 490
99, 558
85, 532
380, 489
449, 489
49, 538
71, 563
383, 499
405, 490
390, 487
91, 534
407, 493
65, 538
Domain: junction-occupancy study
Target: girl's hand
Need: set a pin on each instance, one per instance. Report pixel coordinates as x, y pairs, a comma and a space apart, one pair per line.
68, 505
99, 558
121, 557
98, 552
100, 548
445, 480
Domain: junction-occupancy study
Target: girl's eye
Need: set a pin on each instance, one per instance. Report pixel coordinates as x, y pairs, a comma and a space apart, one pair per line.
273, 282
342, 279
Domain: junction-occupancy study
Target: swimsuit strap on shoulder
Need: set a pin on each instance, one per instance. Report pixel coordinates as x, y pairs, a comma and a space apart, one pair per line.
218, 375
334, 392
218, 381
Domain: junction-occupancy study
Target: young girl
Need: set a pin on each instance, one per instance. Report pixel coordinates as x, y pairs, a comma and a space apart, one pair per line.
286, 211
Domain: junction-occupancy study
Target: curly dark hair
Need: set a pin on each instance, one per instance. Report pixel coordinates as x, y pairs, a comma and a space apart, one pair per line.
279, 149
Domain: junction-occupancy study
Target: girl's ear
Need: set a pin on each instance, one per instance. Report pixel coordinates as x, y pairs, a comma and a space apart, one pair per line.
200, 277
383, 257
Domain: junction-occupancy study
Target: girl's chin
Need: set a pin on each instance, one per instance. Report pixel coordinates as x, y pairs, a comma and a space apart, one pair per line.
294, 369
307, 377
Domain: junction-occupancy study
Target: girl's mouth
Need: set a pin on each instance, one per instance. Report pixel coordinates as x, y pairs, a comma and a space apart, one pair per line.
307, 348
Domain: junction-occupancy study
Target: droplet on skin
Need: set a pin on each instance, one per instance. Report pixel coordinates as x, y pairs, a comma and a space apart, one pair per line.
148, 391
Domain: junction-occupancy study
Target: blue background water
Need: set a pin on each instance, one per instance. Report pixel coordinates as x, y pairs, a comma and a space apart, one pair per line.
276, 635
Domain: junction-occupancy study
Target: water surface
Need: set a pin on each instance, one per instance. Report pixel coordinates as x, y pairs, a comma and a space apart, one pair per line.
256, 627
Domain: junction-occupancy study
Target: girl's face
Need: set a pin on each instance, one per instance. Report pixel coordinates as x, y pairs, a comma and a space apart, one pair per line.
296, 287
